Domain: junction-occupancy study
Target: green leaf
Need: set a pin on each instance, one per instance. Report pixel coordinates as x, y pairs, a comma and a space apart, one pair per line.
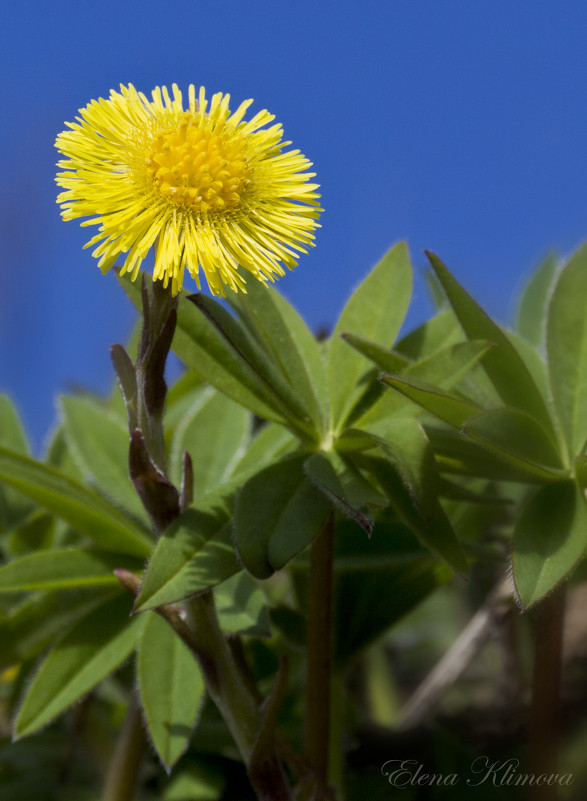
409, 476
567, 349
11, 430
180, 397
518, 439
532, 310
288, 342
215, 433
344, 486
273, 385
503, 364
58, 454
65, 569
549, 540
194, 553
510, 433
93, 648
443, 370
389, 360
202, 348
278, 513
127, 383
13, 506
171, 687
538, 368
241, 606
43, 616
270, 444
201, 780
453, 410
90, 514
435, 334
99, 444
375, 312
36, 532
461, 455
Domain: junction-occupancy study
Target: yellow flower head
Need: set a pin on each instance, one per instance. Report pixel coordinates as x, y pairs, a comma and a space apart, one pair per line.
206, 188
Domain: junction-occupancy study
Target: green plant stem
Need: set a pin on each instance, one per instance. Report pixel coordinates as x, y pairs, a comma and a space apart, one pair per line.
235, 701
124, 765
545, 705
252, 730
231, 688
223, 679
159, 320
319, 645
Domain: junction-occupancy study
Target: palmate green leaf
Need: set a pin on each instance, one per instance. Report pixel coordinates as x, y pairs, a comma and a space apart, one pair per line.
241, 606
278, 513
511, 434
202, 348
453, 410
461, 455
375, 312
503, 364
538, 368
408, 449
99, 444
345, 487
86, 511
518, 439
63, 568
549, 540
194, 554
533, 306
409, 476
389, 360
215, 433
431, 336
443, 370
95, 646
171, 688
567, 349
275, 387
288, 342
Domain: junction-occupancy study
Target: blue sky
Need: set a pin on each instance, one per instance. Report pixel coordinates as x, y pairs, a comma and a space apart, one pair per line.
460, 126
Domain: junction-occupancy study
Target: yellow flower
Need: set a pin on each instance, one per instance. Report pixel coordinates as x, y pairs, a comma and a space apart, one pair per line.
205, 188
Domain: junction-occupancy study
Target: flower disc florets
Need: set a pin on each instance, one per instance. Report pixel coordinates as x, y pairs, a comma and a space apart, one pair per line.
205, 188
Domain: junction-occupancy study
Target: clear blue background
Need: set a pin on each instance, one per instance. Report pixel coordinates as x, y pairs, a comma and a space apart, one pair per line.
460, 126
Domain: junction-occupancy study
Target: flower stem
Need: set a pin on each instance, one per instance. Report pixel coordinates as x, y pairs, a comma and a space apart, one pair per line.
319, 644
126, 759
545, 705
251, 725
236, 703
223, 679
